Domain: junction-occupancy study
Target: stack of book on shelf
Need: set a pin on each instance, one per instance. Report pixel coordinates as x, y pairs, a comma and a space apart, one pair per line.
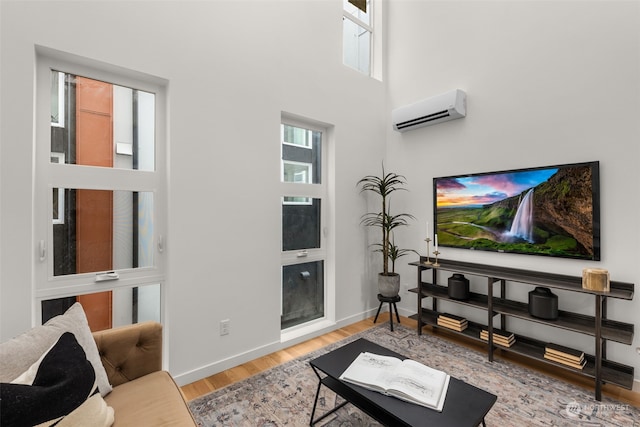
407, 379
452, 321
500, 337
565, 355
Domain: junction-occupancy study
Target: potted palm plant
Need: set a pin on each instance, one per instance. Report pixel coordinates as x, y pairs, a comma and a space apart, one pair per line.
384, 185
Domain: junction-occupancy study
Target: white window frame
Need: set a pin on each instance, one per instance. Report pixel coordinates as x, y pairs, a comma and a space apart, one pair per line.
306, 201
50, 175
323, 253
307, 146
308, 173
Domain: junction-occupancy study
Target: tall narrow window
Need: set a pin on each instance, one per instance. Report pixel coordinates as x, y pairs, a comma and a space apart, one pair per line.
303, 248
99, 195
357, 28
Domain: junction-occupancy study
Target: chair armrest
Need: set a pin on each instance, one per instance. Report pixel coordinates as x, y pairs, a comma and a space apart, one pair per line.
129, 352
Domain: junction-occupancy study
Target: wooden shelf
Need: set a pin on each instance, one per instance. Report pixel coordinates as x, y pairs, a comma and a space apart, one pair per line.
440, 292
611, 329
598, 326
620, 290
612, 372
430, 317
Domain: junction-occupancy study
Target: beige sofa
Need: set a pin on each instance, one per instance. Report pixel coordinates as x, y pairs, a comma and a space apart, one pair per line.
61, 374
143, 394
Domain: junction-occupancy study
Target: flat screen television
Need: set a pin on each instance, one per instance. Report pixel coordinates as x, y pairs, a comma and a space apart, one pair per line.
552, 211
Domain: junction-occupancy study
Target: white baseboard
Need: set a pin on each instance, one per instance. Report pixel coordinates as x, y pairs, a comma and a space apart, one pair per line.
238, 359
221, 365
289, 340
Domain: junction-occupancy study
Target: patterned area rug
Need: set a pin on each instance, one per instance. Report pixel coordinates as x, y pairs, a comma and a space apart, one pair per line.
283, 395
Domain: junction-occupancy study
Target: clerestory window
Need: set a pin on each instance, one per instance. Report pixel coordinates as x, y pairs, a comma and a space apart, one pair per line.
357, 39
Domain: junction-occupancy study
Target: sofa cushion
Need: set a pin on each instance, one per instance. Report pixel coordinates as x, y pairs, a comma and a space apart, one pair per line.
130, 351
56, 385
17, 354
153, 399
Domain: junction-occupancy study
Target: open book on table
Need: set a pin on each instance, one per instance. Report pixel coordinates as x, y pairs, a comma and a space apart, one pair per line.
405, 379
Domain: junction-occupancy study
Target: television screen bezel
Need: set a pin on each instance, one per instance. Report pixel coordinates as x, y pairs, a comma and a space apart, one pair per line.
595, 194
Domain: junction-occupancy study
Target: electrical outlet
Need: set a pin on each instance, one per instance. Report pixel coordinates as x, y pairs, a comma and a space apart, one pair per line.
225, 325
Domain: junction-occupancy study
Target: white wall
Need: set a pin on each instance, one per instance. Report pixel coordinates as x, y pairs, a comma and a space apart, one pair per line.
232, 68
547, 83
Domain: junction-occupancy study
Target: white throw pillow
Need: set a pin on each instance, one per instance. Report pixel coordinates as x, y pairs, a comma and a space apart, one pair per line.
94, 412
19, 353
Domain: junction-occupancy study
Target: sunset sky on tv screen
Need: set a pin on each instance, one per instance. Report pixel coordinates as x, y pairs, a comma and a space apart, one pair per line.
481, 190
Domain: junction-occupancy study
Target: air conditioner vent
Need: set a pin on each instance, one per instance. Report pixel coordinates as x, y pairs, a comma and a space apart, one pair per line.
424, 119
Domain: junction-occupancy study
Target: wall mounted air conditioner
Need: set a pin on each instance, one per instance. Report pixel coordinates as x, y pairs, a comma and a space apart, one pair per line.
437, 109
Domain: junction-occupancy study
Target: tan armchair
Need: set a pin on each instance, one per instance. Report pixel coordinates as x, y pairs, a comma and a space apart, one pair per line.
143, 394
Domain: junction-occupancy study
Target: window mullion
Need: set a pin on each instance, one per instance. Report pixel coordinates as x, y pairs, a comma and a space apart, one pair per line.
85, 283
292, 257
303, 190
97, 178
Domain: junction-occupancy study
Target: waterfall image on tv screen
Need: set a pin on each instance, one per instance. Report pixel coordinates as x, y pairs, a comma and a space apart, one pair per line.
552, 211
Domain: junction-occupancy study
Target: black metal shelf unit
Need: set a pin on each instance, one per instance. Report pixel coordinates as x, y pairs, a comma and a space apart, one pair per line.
598, 326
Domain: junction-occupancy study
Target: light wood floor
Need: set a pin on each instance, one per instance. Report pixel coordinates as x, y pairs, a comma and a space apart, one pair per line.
240, 372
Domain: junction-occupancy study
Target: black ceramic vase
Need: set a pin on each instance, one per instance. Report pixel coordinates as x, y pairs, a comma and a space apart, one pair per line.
543, 303
458, 287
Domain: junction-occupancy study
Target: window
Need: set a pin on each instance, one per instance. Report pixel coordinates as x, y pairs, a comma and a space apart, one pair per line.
302, 293
292, 135
303, 219
357, 33
296, 172
99, 192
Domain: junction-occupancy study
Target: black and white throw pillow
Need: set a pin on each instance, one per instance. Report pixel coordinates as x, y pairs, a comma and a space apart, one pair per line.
58, 383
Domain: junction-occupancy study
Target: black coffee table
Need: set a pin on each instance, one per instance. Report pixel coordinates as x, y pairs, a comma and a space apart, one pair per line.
464, 405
